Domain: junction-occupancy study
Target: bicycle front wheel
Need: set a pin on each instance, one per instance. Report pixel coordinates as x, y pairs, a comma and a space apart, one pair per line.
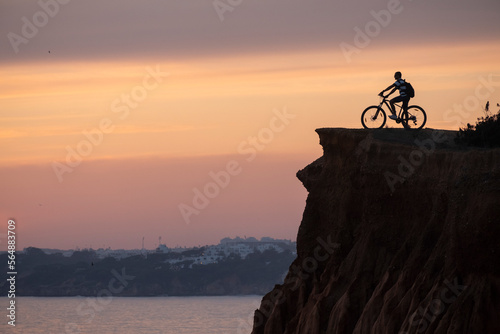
415, 118
373, 117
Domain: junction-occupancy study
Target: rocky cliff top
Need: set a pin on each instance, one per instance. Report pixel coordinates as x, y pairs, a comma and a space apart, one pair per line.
400, 234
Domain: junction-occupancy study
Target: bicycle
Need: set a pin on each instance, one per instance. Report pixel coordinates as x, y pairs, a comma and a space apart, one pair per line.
374, 117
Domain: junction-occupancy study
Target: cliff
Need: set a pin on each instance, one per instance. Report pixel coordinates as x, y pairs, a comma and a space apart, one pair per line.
400, 234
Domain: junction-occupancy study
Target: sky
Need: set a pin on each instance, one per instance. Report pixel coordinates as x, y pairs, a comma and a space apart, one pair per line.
122, 120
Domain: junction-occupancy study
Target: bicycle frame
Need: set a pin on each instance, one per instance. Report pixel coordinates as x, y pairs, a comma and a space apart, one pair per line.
385, 102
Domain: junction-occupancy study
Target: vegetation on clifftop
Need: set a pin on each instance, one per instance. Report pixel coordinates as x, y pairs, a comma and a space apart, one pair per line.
485, 133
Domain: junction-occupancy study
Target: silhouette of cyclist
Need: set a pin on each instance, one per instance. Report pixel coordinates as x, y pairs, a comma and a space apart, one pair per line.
403, 97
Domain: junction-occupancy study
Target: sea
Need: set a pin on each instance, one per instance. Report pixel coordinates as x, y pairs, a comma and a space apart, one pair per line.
127, 315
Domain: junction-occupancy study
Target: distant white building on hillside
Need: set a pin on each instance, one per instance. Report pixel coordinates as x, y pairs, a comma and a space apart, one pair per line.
227, 246
162, 249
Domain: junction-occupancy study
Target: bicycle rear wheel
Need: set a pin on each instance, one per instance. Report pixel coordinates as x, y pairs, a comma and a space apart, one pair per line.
414, 118
373, 117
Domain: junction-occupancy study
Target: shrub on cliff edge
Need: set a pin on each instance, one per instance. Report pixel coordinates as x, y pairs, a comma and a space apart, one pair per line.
486, 132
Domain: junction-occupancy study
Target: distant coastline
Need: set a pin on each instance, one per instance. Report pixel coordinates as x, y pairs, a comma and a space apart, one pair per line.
233, 267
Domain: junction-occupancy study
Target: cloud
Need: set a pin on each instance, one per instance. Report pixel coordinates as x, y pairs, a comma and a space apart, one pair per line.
179, 29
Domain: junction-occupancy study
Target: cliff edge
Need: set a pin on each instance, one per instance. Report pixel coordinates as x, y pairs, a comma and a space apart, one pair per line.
400, 234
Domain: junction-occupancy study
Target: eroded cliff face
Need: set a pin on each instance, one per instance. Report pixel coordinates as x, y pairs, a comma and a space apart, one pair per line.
400, 234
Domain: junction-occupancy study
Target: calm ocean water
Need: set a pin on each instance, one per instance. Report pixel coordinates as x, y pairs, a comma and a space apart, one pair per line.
169, 315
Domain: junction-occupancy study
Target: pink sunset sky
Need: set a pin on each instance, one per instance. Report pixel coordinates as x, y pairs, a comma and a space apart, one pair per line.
116, 115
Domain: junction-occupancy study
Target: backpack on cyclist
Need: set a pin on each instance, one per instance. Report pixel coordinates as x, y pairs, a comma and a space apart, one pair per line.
409, 89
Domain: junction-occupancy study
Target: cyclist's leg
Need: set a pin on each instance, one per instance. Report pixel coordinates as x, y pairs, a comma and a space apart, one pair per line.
395, 100
405, 117
406, 100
